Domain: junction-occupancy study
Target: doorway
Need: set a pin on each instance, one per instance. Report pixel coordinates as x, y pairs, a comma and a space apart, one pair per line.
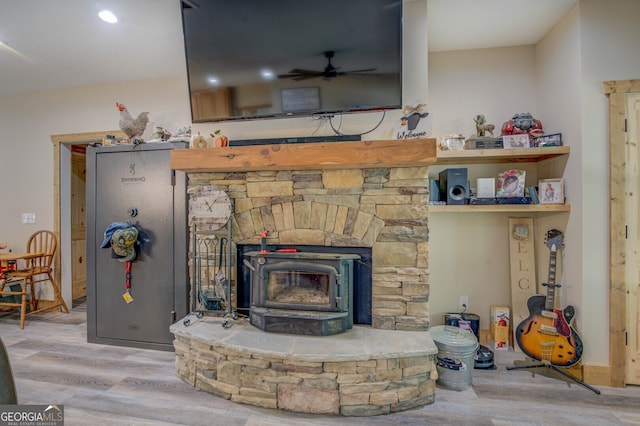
632, 374
69, 210
624, 234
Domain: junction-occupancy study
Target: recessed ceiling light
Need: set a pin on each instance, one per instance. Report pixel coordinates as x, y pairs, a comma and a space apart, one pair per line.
108, 16
213, 81
267, 74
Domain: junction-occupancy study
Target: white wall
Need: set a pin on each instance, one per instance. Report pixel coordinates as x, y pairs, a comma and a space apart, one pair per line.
609, 37
469, 253
495, 82
558, 68
597, 41
28, 121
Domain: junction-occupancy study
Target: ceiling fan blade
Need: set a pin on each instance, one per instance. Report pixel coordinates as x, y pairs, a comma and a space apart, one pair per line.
303, 71
301, 75
307, 76
328, 73
357, 71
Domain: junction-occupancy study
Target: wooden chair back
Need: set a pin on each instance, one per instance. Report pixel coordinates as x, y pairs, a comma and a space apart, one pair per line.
42, 242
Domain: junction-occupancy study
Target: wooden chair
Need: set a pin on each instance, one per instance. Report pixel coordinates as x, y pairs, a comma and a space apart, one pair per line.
43, 246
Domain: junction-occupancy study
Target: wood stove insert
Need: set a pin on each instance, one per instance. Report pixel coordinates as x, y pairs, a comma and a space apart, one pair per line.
301, 292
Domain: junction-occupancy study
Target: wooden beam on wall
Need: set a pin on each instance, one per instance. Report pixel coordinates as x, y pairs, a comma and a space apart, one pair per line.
308, 156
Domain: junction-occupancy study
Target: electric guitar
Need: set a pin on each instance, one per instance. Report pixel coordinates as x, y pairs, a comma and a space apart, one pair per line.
546, 334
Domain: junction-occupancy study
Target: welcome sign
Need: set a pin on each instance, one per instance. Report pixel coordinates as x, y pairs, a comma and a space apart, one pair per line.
416, 122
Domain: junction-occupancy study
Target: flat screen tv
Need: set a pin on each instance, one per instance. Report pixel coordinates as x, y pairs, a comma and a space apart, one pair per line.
254, 59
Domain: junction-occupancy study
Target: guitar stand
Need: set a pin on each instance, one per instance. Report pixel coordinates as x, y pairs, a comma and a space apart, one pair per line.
557, 369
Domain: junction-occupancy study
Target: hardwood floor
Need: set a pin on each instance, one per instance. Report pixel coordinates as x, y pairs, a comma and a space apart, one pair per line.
111, 385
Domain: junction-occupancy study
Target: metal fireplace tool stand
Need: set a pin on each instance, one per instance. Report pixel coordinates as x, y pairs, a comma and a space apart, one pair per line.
210, 274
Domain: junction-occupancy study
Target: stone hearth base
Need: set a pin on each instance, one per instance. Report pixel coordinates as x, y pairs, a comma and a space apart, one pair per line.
361, 372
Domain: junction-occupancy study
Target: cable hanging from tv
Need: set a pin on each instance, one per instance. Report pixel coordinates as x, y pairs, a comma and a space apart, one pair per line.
337, 132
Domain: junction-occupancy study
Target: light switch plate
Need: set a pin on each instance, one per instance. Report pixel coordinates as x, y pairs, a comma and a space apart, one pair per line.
28, 218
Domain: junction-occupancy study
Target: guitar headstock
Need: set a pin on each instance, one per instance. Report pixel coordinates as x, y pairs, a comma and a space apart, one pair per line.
553, 239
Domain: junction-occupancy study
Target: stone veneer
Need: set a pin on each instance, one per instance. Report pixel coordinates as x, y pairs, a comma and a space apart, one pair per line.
382, 208
361, 372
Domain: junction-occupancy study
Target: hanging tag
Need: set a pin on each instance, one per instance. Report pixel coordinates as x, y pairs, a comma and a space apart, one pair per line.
127, 271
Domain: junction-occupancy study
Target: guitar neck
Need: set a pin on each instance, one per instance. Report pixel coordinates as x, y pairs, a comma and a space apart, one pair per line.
551, 283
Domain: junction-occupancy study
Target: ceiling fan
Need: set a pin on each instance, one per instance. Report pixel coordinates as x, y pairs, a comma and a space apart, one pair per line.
329, 71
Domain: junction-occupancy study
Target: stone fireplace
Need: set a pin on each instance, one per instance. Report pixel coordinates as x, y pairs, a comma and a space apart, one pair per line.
350, 194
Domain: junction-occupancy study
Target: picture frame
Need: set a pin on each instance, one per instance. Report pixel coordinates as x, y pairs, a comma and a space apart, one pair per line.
516, 141
554, 139
551, 191
300, 99
511, 183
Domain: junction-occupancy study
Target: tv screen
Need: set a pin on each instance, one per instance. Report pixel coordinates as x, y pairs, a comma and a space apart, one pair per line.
253, 59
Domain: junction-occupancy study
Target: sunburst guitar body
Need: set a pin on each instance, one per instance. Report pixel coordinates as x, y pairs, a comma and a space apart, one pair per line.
546, 334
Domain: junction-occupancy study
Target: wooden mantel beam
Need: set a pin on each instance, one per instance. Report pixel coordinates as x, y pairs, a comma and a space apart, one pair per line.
307, 156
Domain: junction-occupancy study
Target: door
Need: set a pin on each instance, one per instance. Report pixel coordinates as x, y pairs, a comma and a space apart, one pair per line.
632, 273
78, 222
136, 184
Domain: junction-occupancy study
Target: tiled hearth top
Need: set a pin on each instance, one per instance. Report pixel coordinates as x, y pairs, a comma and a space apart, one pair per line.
359, 343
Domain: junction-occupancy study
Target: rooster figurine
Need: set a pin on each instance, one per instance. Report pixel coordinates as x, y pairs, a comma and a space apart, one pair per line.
132, 127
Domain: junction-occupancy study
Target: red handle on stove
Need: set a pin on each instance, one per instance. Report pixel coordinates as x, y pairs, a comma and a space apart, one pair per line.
287, 250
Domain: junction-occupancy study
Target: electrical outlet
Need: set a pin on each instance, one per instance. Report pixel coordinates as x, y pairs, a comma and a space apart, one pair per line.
463, 303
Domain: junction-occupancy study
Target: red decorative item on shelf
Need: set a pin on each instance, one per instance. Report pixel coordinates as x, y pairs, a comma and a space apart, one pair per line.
523, 123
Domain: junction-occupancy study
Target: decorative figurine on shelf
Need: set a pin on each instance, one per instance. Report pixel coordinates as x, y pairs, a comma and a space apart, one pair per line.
132, 127
182, 134
482, 127
411, 115
522, 123
198, 141
452, 142
159, 135
414, 123
483, 138
219, 139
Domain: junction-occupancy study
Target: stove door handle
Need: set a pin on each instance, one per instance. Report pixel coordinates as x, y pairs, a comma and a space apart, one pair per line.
249, 265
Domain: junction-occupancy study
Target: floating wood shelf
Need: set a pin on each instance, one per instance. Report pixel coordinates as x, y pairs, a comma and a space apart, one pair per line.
498, 155
500, 208
307, 156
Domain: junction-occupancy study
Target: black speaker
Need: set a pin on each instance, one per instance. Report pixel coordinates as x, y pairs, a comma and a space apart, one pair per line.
454, 186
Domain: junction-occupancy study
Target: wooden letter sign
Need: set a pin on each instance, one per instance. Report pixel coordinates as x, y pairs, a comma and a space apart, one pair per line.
523, 267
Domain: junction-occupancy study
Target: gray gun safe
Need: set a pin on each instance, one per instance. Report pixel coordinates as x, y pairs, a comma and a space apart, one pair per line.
135, 183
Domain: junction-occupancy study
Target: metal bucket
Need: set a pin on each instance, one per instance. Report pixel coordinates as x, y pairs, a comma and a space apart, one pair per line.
456, 352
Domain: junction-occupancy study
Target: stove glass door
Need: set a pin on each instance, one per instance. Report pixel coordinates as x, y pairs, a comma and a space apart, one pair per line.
298, 287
